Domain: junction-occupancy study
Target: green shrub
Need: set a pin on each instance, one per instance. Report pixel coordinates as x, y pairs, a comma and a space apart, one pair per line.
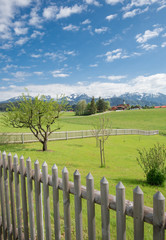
152, 162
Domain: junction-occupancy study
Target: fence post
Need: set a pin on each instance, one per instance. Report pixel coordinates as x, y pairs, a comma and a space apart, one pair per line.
120, 212
56, 202
6, 195
105, 213
138, 213
17, 192
2, 201
158, 216
24, 198
46, 201
30, 198
11, 185
66, 203
78, 205
90, 207
38, 201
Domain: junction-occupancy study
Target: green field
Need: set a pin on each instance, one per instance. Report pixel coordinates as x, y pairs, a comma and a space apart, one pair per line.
121, 164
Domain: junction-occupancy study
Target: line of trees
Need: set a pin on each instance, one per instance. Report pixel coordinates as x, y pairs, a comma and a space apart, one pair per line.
84, 108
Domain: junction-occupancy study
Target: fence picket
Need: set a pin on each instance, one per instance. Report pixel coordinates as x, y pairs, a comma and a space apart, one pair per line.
24, 198
46, 201
30, 198
66, 203
138, 214
11, 186
7, 196
105, 214
38, 201
4, 225
17, 195
78, 205
90, 207
158, 216
56, 202
120, 211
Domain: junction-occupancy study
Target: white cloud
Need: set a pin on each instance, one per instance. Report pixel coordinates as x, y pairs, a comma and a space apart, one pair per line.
35, 19
112, 77
65, 12
111, 17
101, 30
36, 33
87, 21
20, 31
148, 47
35, 55
50, 12
163, 44
6, 46
22, 41
141, 84
93, 2
21, 75
38, 73
161, 7
59, 74
164, 35
115, 54
142, 38
71, 53
134, 12
71, 27
93, 65
113, 2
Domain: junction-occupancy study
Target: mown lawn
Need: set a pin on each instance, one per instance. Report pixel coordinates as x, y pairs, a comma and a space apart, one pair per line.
82, 154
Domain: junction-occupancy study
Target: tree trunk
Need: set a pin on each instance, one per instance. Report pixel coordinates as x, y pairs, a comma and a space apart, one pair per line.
45, 145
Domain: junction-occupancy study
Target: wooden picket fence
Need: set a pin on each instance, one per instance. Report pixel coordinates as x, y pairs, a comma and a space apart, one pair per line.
14, 214
66, 135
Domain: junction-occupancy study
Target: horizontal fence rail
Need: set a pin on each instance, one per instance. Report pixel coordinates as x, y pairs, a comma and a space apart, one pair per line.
65, 135
14, 226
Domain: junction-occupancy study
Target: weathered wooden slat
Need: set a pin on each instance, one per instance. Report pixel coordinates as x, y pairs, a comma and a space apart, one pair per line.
17, 195
24, 198
158, 216
7, 196
38, 200
105, 214
120, 212
4, 225
90, 207
11, 186
138, 214
66, 203
78, 205
56, 202
46, 201
30, 198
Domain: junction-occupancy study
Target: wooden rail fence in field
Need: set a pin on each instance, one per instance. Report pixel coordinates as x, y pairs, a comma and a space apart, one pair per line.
29, 137
18, 222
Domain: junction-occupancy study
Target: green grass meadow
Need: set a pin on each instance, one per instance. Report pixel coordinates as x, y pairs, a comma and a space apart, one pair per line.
82, 154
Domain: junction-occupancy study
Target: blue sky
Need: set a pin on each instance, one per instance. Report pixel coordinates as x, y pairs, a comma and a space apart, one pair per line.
98, 47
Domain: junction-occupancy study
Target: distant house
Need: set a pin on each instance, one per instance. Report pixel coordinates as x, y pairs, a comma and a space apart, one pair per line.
120, 107
160, 107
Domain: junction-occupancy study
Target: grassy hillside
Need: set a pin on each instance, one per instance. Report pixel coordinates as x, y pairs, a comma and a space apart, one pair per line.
150, 119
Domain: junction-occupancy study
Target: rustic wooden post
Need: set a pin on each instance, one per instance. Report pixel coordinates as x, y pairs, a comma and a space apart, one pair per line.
78, 205
38, 200
24, 198
66, 203
30, 198
46, 201
158, 216
56, 202
2, 201
105, 214
6, 195
138, 212
120, 212
17, 194
11, 186
90, 207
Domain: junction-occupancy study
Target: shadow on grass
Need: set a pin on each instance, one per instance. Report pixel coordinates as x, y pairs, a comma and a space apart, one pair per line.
131, 181
16, 148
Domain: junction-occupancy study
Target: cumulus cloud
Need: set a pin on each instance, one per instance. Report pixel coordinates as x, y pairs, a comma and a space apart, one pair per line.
163, 44
22, 41
112, 77
59, 74
71, 27
65, 12
113, 2
148, 47
35, 55
93, 2
86, 21
134, 12
111, 17
93, 65
50, 12
21, 75
142, 38
115, 54
101, 30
